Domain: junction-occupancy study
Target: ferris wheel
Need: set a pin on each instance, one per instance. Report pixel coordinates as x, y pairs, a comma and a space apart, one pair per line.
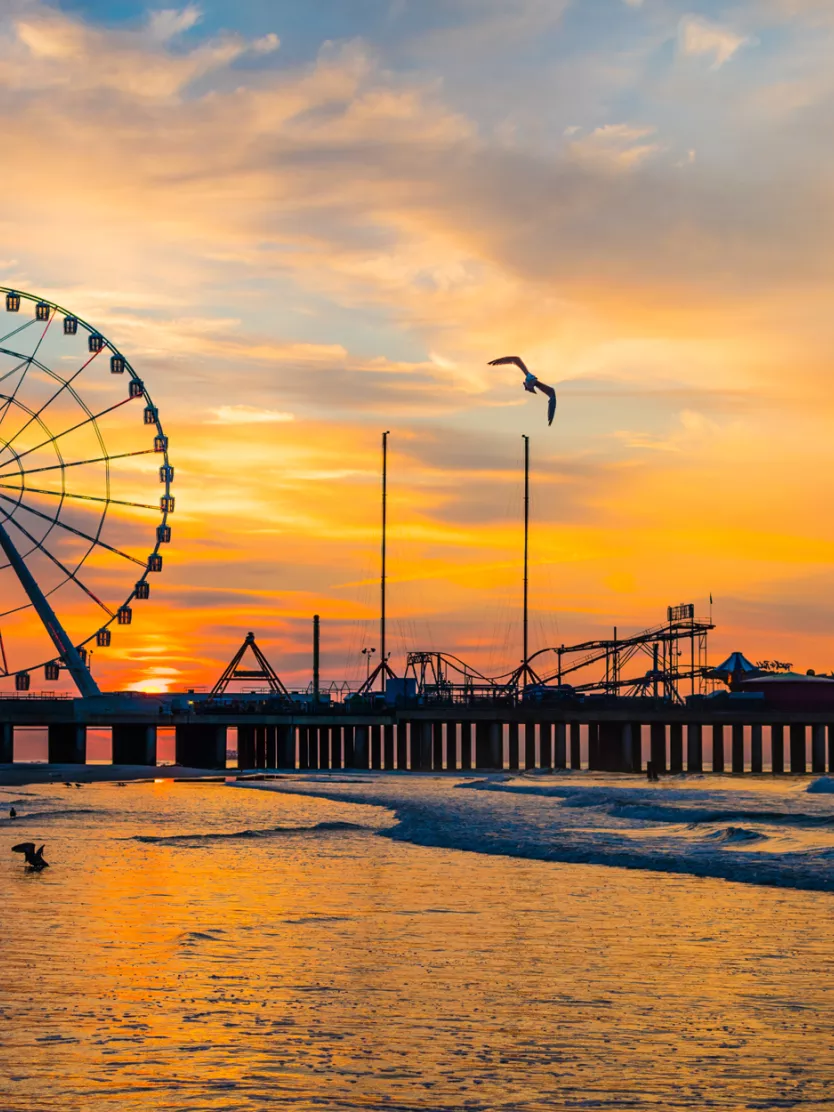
85, 491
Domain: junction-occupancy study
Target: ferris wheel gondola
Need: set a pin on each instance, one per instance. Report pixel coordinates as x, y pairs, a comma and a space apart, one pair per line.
75, 522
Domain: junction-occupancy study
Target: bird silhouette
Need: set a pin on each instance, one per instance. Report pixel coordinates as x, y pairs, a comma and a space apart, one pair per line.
34, 857
12, 813
531, 383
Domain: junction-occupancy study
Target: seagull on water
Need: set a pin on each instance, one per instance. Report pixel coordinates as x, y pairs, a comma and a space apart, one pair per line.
34, 857
12, 813
531, 383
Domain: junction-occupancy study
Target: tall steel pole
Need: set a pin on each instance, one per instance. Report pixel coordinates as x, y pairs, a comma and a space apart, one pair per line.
383, 659
526, 440
67, 651
316, 644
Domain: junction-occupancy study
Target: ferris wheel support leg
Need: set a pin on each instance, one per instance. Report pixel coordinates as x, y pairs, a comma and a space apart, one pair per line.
70, 655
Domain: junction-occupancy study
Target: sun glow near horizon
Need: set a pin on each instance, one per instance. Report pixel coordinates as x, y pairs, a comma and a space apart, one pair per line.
303, 245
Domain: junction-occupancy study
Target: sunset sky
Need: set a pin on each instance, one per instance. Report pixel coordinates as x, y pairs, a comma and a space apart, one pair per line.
307, 223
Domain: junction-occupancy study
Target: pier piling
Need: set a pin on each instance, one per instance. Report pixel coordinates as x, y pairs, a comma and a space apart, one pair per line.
347, 755
6, 743
466, 746
676, 747
201, 745
303, 748
67, 743
818, 747
797, 744
437, 746
756, 761
777, 747
260, 747
575, 745
388, 750
738, 748
376, 747
529, 745
545, 745
560, 746
657, 732
718, 748
593, 745
360, 747
452, 746
285, 757
694, 747
512, 746
402, 745
134, 743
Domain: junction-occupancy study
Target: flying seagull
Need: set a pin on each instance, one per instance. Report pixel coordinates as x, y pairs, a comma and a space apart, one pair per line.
531, 383
34, 858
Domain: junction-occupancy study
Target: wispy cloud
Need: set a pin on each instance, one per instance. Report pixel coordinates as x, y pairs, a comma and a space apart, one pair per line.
614, 146
699, 36
166, 23
248, 415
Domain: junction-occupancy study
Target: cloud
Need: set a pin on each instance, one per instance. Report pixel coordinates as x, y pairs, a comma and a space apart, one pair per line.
44, 49
249, 415
614, 147
266, 44
342, 239
698, 36
166, 23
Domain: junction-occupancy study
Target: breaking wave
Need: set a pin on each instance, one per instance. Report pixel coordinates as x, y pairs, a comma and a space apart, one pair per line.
42, 816
640, 805
823, 786
732, 834
242, 835
769, 837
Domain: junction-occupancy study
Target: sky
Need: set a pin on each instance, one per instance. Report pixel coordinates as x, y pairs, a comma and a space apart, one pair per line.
307, 224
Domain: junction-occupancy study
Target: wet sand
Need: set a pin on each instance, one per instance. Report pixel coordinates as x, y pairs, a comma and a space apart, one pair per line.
22, 773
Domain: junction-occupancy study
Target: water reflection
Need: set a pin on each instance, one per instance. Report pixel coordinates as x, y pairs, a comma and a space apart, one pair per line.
210, 948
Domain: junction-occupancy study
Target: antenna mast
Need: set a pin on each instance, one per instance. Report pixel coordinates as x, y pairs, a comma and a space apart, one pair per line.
383, 658
526, 440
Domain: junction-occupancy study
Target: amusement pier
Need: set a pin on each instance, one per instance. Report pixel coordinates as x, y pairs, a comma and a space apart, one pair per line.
82, 547
444, 717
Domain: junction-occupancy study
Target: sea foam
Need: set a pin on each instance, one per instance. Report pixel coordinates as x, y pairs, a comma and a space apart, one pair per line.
707, 828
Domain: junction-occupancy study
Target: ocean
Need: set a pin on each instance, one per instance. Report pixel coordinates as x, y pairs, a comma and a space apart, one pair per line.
359, 941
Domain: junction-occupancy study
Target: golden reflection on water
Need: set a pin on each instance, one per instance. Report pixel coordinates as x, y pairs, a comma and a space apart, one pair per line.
332, 968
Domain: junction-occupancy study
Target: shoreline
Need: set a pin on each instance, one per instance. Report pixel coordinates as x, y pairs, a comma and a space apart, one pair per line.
18, 775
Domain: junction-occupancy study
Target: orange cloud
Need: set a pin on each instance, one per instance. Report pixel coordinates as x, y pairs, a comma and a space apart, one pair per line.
298, 256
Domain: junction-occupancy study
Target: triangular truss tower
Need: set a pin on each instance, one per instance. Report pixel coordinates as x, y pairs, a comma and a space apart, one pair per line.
264, 672
382, 669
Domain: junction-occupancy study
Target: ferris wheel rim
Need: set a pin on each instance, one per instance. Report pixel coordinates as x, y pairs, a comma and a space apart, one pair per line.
166, 502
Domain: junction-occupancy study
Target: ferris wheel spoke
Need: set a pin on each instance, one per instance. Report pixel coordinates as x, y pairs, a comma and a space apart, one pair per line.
27, 364
20, 328
14, 370
75, 463
66, 432
65, 385
84, 497
70, 574
72, 529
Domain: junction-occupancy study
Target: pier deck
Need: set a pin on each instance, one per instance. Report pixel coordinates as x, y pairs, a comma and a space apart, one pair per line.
614, 735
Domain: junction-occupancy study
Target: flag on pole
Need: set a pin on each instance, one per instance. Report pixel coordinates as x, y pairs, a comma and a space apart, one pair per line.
710, 598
